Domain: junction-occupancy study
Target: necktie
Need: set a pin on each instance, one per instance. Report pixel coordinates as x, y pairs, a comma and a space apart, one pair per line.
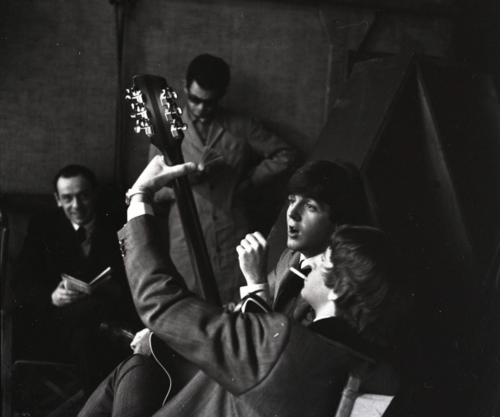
81, 234
306, 269
302, 311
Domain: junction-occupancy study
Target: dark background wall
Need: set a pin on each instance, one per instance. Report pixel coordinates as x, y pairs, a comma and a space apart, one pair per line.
59, 70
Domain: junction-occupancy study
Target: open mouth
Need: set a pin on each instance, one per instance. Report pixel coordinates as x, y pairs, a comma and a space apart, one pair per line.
292, 231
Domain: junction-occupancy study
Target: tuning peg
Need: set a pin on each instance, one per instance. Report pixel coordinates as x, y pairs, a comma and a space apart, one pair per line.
163, 99
142, 122
134, 95
143, 115
137, 107
180, 126
175, 128
171, 93
148, 130
172, 115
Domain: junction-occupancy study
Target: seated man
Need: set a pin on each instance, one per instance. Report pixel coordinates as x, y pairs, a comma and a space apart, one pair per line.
52, 322
253, 364
321, 196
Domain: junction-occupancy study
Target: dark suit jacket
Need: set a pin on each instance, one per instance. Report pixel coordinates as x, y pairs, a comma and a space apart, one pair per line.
287, 287
51, 248
250, 364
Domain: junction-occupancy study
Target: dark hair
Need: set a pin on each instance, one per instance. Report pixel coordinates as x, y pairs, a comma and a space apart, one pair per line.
369, 279
210, 72
74, 170
337, 184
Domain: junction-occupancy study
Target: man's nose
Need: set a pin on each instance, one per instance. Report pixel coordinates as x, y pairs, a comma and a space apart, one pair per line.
294, 213
76, 203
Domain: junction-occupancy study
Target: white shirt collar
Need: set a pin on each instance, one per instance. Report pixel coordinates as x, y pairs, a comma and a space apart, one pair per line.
313, 261
89, 227
322, 317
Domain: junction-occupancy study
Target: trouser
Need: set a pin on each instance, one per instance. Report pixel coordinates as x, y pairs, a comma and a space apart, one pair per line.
136, 388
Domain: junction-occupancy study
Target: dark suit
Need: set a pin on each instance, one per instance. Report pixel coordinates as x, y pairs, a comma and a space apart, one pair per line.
287, 287
71, 332
250, 364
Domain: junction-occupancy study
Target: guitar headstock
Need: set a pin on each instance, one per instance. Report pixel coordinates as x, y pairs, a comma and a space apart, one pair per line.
156, 112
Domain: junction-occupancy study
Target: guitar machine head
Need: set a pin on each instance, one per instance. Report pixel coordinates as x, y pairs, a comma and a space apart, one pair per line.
156, 112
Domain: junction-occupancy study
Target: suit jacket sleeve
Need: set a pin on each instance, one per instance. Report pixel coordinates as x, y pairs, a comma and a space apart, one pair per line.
236, 350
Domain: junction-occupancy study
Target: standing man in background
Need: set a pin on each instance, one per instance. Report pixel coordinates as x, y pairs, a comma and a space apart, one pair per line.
52, 322
235, 154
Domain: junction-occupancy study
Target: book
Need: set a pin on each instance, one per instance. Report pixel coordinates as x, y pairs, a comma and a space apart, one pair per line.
210, 158
75, 284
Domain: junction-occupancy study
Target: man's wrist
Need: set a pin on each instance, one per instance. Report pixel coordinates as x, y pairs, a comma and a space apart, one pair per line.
140, 198
139, 194
262, 290
138, 208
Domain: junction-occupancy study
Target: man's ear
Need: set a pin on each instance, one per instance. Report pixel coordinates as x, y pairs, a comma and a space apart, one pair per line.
58, 201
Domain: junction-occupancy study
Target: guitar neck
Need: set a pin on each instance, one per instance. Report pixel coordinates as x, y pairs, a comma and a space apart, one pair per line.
196, 241
157, 114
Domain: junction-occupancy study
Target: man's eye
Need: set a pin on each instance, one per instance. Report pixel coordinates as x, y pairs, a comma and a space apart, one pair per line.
291, 200
311, 207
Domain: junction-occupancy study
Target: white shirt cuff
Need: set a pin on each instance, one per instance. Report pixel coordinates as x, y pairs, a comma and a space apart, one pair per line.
138, 209
262, 290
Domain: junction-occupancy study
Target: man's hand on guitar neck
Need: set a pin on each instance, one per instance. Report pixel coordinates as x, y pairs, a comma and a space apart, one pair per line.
157, 175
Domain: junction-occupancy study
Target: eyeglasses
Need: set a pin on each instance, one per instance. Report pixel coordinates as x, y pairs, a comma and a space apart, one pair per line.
207, 102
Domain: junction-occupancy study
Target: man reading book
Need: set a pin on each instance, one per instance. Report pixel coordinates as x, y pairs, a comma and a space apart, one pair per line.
52, 320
